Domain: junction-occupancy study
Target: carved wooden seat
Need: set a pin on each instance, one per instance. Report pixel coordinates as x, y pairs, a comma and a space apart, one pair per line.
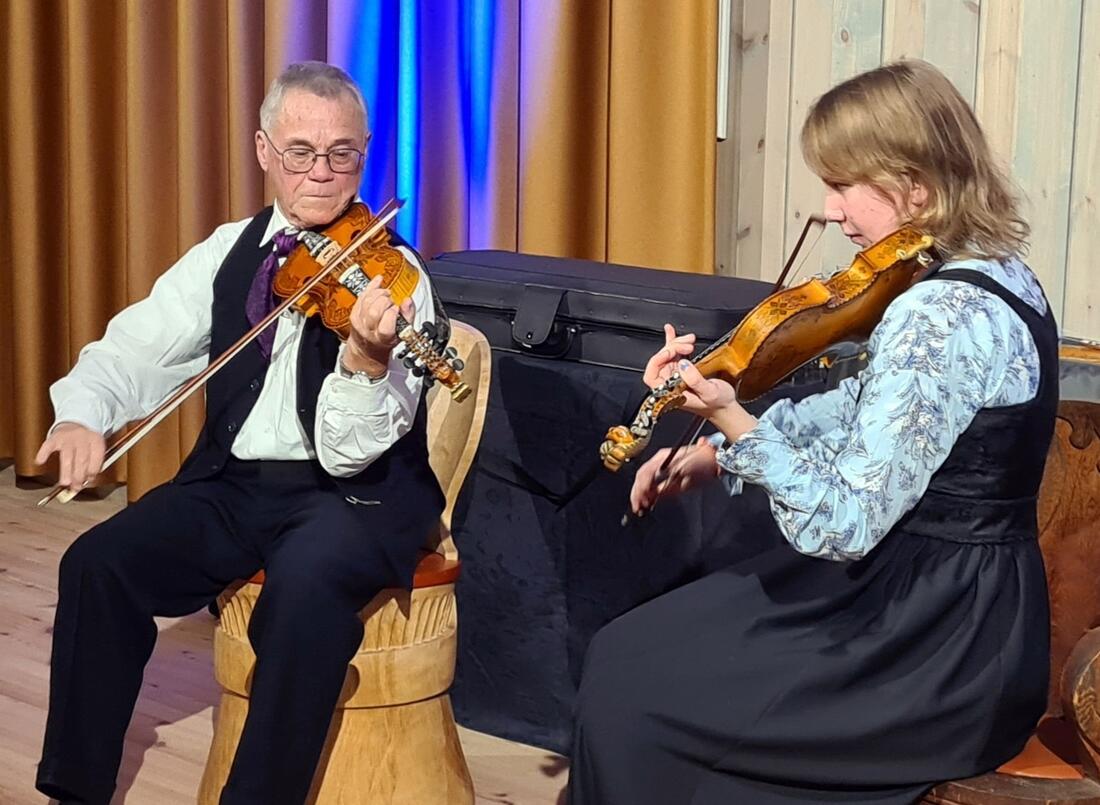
393, 737
1059, 765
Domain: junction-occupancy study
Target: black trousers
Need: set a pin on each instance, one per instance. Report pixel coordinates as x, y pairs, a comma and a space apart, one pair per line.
169, 554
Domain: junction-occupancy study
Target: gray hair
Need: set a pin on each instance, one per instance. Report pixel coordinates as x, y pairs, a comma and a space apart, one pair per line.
316, 77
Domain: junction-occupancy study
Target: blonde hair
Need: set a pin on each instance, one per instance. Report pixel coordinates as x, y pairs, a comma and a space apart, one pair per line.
904, 124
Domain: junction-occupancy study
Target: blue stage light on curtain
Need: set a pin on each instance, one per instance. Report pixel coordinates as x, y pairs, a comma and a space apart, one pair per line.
372, 66
408, 118
477, 65
385, 60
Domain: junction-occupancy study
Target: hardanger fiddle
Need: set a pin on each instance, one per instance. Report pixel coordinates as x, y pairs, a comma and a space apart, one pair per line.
787, 330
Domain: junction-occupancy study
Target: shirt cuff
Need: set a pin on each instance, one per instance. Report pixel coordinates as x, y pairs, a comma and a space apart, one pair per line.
73, 403
75, 420
359, 378
359, 394
732, 483
744, 456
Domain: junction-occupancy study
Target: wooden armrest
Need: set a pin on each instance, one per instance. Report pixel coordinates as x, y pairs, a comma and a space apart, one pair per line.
1081, 699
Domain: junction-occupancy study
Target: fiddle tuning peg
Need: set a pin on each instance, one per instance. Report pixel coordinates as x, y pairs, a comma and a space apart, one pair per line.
451, 353
458, 364
409, 362
429, 329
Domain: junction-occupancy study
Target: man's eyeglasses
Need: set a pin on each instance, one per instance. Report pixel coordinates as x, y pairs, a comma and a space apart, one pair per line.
297, 159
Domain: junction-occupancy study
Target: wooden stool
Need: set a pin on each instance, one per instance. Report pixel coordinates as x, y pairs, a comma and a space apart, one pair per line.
1059, 765
393, 737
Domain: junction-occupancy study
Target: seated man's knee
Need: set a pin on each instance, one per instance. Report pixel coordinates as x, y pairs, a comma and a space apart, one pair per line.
92, 552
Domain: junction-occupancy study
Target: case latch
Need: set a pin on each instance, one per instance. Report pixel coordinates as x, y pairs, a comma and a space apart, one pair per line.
535, 314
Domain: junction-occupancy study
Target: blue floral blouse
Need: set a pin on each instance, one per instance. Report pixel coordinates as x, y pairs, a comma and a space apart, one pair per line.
842, 467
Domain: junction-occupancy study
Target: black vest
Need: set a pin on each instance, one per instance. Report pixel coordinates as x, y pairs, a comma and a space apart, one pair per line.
987, 489
401, 477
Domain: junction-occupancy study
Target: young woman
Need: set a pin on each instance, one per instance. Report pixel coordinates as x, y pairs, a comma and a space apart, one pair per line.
897, 636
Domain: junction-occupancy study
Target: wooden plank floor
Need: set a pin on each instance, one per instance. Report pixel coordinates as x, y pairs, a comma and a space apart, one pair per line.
170, 733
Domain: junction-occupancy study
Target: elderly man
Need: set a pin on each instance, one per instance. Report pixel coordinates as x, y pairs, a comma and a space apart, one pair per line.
312, 464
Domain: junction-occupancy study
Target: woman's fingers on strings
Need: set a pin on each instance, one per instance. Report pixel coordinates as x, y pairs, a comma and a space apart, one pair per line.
689, 373
676, 345
694, 380
679, 346
663, 365
671, 337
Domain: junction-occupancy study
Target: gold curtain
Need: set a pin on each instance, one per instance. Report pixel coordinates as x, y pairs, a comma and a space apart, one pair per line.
128, 137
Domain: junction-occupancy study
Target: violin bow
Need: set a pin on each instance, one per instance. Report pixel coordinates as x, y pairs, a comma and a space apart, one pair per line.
132, 436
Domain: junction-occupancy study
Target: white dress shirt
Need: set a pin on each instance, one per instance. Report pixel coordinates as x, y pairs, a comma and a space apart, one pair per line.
156, 345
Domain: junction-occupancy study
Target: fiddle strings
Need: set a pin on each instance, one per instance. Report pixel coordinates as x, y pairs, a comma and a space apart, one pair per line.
695, 427
138, 431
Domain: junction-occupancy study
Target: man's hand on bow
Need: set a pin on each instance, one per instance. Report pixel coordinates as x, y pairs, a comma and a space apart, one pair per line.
79, 451
374, 329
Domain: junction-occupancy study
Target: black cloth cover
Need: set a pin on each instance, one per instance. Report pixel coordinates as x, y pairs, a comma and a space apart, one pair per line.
545, 561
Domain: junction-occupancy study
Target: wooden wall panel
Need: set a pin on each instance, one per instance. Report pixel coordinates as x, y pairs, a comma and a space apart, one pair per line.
996, 87
750, 125
950, 44
773, 208
1031, 70
811, 75
1081, 311
1043, 153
